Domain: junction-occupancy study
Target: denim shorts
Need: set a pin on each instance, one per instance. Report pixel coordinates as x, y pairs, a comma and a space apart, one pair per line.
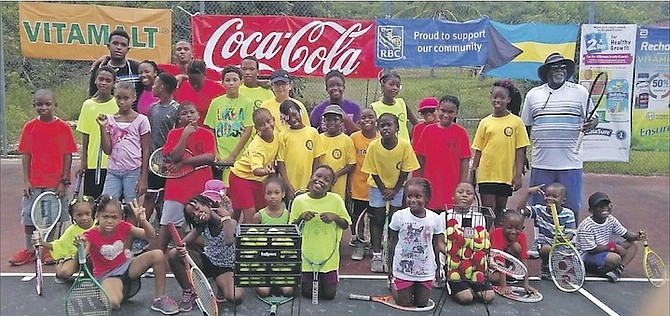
173, 211
27, 206
118, 182
377, 199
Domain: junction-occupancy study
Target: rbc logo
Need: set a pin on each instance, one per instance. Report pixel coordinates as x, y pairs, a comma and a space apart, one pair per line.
390, 42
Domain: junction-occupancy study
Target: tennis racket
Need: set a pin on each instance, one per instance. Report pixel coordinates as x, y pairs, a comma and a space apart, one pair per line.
519, 294
603, 85
507, 264
45, 214
653, 265
315, 229
565, 264
161, 165
387, 299
360, 228
204, 296
385, 238
98, 167
86, 296
274, 302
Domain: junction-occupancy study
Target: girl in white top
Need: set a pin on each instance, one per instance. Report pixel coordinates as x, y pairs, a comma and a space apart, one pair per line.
416, 234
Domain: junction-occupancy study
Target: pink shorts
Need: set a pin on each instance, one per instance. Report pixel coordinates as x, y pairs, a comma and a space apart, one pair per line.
245, 193
401, 284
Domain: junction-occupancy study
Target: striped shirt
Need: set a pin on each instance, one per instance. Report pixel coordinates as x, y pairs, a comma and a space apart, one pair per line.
591, 234
556, 117
545, 222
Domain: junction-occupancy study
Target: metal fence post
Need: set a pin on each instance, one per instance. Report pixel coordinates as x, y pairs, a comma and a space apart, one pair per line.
3, 90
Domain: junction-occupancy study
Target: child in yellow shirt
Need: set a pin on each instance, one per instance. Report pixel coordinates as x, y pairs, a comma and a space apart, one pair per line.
339, 149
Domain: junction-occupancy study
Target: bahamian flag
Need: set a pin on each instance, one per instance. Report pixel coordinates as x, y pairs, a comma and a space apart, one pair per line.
536, 41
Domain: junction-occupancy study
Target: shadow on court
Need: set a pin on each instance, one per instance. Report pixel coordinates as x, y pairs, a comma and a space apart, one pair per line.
624, 298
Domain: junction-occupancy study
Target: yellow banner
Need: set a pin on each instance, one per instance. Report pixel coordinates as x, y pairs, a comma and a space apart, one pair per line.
81, 32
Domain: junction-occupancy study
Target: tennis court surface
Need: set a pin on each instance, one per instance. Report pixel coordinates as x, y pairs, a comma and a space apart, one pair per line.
598, 297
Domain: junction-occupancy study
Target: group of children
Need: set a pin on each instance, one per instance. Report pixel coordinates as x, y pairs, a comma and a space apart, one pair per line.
276, 154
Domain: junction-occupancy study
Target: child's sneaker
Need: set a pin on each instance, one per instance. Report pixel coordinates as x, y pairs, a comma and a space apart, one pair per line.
376, 264
220, 298
533, 252
614, 275
139, 245
186, 304
359, 252
353, 241
165, 305
22, 257
544, 272
61, 281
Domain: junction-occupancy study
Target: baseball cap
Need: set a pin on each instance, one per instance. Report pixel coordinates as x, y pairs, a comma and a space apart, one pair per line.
428, 103
214, 190
333, 109
597, 198
280, 75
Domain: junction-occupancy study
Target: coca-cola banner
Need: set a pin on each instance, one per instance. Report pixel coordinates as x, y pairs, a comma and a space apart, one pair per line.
302, 46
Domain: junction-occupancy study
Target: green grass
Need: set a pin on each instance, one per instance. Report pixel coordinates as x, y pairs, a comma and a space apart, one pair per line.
473, 91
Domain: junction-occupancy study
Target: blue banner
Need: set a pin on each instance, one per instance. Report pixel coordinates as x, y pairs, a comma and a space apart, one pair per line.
431, 43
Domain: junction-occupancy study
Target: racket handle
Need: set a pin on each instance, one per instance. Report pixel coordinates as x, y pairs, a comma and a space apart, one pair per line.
36, 237
359, 297
273, 310
579, 143
315, 294
80, 253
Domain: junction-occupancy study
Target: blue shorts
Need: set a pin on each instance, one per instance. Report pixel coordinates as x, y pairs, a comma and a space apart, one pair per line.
27, 206
122, 182
377, 199
596, 261
571, 179
173, 211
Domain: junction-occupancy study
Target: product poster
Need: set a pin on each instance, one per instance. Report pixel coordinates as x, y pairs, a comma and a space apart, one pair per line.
609, 48
651, 91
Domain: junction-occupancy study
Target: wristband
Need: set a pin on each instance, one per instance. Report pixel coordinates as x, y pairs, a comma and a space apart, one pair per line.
611, 246
225, 218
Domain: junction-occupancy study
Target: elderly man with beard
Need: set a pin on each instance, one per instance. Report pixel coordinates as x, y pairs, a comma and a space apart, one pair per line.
554, 114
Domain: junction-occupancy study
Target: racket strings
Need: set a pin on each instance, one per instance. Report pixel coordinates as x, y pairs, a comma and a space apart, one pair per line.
87, 299
566, 268
655, 269
47, 213
203, 292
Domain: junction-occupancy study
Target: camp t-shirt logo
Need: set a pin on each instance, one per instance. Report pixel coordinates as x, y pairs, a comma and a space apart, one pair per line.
337, 154
309, 144
508, 131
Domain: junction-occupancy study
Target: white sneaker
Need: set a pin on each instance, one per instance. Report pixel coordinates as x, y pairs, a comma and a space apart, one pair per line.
533, 252
376, 264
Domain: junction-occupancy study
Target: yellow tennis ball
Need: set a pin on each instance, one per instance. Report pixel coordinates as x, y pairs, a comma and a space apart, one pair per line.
486, 243
468, 243
273, 230
252, 231
155, 167
454, 276
478, 243
454, 262
477, 277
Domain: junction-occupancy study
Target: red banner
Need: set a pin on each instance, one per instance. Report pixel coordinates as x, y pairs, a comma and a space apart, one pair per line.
303, 46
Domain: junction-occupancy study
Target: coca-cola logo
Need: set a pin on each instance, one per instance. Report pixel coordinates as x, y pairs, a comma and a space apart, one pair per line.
317, 47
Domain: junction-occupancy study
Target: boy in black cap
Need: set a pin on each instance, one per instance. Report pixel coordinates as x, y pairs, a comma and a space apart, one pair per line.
601, 254
282, 84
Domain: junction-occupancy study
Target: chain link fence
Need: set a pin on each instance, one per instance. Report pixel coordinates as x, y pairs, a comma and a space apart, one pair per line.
465, 83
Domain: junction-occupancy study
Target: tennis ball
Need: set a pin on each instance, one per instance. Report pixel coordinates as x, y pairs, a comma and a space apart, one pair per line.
479, 260
454, 275
468, 243
273, 231
155, 167
452, 223
486, 243
465, 253
454, 262
466, 268
450, 231
252, 231
453, 250
478, 243
458, 240
477, 277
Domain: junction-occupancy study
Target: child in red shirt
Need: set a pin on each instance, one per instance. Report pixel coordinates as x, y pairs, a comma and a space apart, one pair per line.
510, 238
198, 89
46, 145
178, 191
114, 266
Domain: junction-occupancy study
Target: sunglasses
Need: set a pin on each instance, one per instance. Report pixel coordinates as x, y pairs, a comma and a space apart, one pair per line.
559, 66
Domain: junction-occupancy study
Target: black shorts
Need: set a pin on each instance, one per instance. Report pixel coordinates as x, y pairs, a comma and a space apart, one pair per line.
210, 270
459, 286
499, 189
155, 183
358, 208
90, 188
130, 286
